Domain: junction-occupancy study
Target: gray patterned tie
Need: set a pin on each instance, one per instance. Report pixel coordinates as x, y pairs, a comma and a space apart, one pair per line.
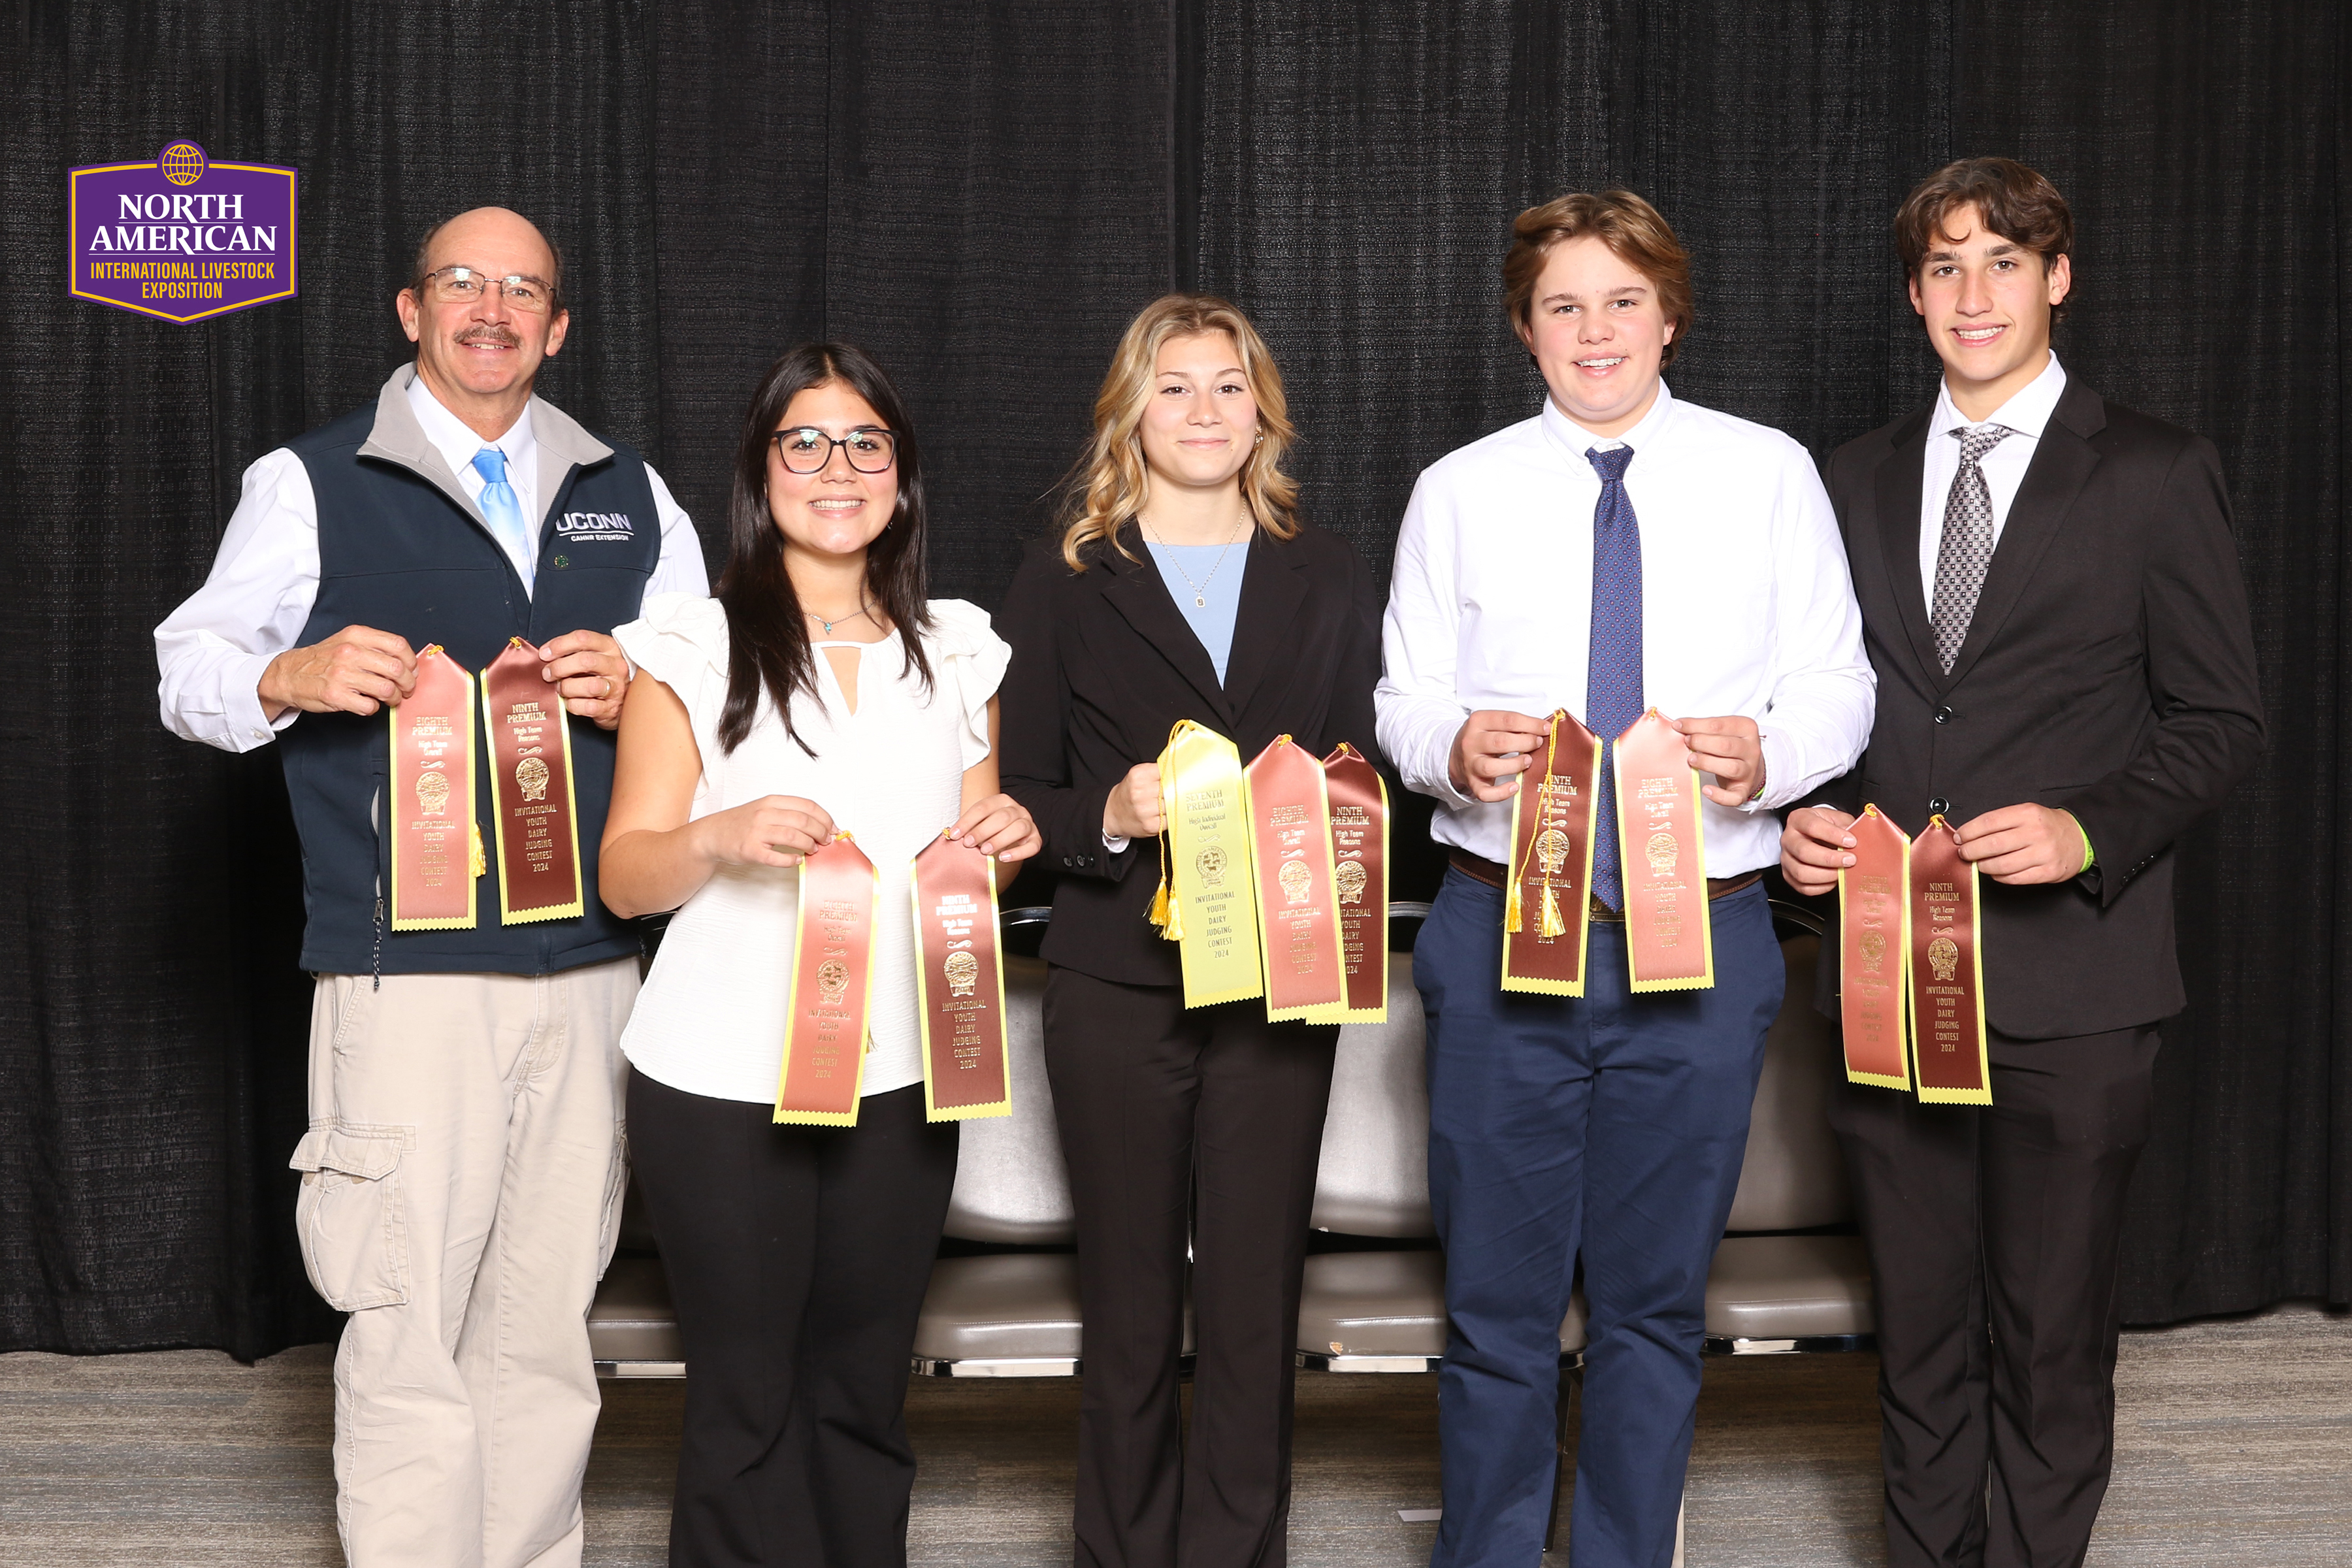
1967, 547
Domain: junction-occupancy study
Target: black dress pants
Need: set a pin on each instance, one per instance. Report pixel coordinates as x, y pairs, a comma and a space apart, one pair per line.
1215, 1115
797, 1259
1994, 1235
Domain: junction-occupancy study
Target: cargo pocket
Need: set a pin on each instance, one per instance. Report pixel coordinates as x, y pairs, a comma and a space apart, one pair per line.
616, 1190
350, 1218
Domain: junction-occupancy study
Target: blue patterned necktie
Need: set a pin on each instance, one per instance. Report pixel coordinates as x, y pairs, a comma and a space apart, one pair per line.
505, 511
1613, 670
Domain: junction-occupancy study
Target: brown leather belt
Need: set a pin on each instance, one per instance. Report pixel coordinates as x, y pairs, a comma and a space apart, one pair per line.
1497, 877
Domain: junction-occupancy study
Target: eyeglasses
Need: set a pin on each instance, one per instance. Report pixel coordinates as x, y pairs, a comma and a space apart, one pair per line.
463, 286
806, 449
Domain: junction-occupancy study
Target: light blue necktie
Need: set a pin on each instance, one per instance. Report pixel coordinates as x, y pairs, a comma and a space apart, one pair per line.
505, 511
1613, 670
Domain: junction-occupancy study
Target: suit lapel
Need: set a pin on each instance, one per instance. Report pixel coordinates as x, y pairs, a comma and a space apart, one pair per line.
1899, 521
1135, 591
1273, 587
2063, 461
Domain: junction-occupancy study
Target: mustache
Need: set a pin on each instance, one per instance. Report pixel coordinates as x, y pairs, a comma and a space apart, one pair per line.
490, 332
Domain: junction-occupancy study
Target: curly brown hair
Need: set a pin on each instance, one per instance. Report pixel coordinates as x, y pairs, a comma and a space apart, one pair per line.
2015, 201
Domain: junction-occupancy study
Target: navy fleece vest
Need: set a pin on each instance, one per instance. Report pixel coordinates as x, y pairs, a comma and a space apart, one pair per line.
397, 554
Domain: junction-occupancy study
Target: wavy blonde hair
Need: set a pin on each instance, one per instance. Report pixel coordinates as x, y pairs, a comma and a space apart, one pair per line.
1108, 484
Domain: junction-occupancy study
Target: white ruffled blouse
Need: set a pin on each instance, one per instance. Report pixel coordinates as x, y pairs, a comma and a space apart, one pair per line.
710, 1019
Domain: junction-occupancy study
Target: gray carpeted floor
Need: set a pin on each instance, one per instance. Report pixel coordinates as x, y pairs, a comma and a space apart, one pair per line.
2234, 1448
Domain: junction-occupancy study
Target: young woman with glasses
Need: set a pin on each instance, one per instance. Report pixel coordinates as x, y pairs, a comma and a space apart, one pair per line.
1185, 586
818, 692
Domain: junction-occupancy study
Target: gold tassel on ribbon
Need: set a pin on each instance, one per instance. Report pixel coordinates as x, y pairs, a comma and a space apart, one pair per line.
1165, 912
1513, 920
481, 862
1552, 925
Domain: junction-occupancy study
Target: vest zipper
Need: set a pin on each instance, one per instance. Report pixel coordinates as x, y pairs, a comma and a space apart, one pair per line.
374, 801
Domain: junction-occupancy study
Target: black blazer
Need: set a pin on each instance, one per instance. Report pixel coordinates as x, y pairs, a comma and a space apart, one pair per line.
2109, 670
1104, 665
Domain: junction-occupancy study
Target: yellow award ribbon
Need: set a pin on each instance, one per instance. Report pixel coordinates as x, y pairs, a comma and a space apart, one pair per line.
1206, 871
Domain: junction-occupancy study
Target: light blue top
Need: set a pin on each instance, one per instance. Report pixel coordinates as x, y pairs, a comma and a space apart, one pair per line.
1213, 623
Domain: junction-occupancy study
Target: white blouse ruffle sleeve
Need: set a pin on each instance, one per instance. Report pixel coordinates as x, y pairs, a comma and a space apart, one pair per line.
973, 659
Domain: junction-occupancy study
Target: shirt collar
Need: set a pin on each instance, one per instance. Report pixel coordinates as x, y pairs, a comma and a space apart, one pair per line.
458, 442
1575, 440
2027, 412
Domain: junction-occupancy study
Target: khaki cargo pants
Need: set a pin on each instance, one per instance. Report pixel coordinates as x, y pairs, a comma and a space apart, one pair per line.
461, 1185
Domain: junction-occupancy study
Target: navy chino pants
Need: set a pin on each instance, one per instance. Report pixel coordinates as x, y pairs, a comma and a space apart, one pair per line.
1610, 1126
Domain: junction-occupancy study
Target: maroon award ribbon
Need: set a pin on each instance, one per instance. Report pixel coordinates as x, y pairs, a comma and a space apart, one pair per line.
960, 981
537, 820
437, 850
832, 994
1947, 1017
1548, 908
1297, 890
1873, 951
1360, 867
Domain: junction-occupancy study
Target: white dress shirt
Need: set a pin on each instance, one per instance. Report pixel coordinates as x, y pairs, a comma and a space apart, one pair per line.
265, 578
2027, 414
1747, 607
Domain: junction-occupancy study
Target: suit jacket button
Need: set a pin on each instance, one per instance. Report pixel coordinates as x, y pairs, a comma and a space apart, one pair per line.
1085, 860
1943, 715
1937, 805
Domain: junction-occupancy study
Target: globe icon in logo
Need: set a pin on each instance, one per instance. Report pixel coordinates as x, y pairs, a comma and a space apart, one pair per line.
182, 163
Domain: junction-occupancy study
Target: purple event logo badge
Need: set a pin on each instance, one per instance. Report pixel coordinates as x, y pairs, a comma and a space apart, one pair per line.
183, 238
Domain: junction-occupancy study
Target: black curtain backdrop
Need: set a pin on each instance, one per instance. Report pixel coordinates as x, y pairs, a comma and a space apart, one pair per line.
983, 194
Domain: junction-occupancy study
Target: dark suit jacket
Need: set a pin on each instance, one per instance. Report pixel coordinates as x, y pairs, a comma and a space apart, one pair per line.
1104, 665
2110, 671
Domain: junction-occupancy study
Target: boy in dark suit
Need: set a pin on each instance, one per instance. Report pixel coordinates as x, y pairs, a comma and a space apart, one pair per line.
2050, 599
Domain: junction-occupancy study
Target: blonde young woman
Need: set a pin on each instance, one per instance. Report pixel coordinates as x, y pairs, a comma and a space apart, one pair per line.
1185, 587
820, 691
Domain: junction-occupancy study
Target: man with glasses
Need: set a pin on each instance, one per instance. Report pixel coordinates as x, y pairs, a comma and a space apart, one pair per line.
463, 1168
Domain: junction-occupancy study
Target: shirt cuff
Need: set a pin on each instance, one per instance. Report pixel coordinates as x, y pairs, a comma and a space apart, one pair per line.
1778, 768
1436, 768
241, 702
1116, 845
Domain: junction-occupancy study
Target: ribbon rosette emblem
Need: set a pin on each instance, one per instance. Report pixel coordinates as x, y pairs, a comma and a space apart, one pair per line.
1295, 879
1551, 850
531, 773
1662, 852
432, 793
832, 980
963, 972
1873, 948
1211, 864
1944, 957
1351, 880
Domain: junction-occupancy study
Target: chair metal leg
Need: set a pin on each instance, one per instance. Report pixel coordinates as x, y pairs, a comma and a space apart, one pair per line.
1571, 1387
1572, 1391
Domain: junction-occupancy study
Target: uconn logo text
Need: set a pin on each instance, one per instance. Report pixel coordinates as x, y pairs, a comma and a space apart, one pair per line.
581, 526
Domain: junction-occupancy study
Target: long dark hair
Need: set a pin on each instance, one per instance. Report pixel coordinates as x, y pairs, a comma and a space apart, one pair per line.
767, 635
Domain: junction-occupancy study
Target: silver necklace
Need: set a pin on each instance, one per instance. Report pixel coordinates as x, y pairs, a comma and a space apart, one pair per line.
863, 605
1201, 588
